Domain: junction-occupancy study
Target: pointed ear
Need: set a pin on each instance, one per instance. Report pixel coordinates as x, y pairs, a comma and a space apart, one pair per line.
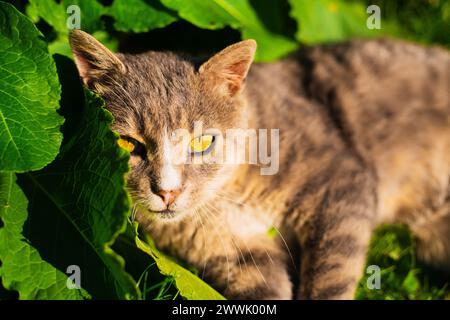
93, 59
228, 68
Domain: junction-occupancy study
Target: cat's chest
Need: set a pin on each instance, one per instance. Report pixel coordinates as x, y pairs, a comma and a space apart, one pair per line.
220, 222
244, 220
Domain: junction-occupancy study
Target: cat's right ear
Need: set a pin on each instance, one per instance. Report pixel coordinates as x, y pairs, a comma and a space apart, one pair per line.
93, 59
228, 69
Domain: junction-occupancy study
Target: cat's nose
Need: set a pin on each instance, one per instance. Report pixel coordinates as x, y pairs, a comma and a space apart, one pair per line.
168, 196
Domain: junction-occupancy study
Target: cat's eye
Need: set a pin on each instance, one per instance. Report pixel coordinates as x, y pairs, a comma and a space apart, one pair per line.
131, 145
127, 145
202, 143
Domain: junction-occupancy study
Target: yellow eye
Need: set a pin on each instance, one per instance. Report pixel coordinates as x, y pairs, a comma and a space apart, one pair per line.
202, 143
127, 145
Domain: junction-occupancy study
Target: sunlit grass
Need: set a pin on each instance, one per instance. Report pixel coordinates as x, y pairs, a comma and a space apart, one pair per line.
402, 276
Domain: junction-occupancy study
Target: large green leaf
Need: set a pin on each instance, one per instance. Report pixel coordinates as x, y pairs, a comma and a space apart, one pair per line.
22, 267
238, 14
189, 285
78, 204
29, 95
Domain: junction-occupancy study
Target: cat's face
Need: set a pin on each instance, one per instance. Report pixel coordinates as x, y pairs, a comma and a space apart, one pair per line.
158, 101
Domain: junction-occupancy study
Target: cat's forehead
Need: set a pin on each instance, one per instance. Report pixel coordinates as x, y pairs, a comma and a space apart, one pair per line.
162, 92
159, 76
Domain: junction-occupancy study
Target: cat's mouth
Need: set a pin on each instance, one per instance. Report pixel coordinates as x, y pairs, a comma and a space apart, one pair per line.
165, 214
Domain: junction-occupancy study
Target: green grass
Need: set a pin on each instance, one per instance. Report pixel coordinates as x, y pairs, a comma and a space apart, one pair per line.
402, 276
159, 290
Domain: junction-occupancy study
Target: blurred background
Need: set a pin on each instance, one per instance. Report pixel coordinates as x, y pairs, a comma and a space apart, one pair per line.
206, 26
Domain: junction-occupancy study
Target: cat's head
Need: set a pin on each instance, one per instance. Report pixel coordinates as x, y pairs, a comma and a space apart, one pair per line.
154, 95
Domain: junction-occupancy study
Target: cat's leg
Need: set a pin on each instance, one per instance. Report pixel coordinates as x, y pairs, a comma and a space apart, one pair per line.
256, 269
336, 237
433, 238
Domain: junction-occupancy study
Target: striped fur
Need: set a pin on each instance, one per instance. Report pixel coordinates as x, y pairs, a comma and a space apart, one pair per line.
364, 139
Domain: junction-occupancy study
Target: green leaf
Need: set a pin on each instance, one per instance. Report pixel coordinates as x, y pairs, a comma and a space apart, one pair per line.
29, 95
272, 232
52, 12
56, 15
330, 20
205, 14
22, 267
78, 204
91, 12
190, 286
139, 15
129, 15
411, 284
238, 14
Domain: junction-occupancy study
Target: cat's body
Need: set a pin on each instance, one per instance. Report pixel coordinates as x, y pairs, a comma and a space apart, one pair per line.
364, 139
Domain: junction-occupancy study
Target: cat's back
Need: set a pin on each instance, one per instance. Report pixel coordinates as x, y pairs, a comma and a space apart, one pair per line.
373, 91
390, 102
373, 87
387, 100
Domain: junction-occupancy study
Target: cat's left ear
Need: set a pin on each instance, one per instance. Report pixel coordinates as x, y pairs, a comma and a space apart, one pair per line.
93, 59
228, 68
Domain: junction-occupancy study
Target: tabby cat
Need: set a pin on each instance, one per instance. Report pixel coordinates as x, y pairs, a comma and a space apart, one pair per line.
364, 139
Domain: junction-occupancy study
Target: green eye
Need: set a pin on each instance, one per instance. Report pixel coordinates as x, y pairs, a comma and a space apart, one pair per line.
202, 143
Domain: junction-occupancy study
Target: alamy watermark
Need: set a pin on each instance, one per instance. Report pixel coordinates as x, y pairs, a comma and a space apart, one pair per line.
74, 19
374, 280
73, 281
233, 147
374, 20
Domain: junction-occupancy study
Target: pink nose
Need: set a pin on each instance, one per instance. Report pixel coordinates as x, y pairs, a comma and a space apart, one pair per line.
168, 196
